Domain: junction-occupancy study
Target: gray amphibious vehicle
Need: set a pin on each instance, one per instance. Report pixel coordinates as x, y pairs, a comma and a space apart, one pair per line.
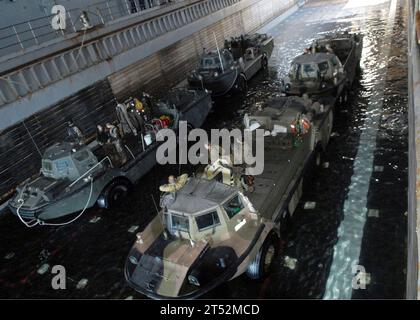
74, 177
327, 68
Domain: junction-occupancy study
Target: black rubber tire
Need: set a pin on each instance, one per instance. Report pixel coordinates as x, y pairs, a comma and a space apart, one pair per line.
114, 193
260, 266
343, 98
241, 85
345, 95
319, 155
264, 62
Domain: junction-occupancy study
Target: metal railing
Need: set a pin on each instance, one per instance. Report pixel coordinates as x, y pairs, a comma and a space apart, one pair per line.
24, 35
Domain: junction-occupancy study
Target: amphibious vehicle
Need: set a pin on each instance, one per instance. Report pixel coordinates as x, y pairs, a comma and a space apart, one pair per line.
222, 222
74, 177
328, 67
242, 57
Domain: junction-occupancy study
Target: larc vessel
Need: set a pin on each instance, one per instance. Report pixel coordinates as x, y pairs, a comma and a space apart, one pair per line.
222, 223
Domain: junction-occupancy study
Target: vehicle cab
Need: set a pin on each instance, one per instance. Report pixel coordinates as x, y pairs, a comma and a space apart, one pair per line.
210, 217
67, 161
313, 73
214, 63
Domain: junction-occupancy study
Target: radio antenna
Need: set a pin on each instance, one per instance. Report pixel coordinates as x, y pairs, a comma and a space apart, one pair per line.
218, 51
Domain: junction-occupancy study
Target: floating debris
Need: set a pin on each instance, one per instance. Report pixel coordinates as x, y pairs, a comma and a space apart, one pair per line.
290, 262
325, 165
44, 255
133, 229
364, 278
347, 158
82, 283
335, 134
43, 269
373, 213
378, 169
9, 256
129, 298
309, 205
95, 219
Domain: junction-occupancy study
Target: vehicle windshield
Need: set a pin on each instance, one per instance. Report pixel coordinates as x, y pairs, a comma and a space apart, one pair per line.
179, 223
210, 62
207, 220
233, 206
47, 165
307, 71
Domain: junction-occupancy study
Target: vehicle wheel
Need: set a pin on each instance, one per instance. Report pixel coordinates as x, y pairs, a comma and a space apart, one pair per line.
264, 62
261, 264
318, 155
343, 97
113, 194
241, 84
318, 159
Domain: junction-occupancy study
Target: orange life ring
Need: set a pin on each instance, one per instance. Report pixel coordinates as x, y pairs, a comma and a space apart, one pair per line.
306, 124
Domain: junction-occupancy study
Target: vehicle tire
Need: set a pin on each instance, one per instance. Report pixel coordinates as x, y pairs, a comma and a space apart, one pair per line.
113, 194
264, 62
319, 152
343, 97
241, 84
260, 266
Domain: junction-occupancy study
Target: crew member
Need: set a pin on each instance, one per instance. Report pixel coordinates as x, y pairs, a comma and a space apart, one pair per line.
115, 139
329, 49
74, 134
174, 184
101, 135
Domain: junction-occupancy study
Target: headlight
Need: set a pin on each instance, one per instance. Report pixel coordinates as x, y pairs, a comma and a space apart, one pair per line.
287, 87
193, 280
215, 74
323, 85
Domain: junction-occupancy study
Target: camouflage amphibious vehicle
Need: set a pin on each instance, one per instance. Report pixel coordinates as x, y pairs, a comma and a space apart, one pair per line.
230, 68
327, 68
222, 223
74, 177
